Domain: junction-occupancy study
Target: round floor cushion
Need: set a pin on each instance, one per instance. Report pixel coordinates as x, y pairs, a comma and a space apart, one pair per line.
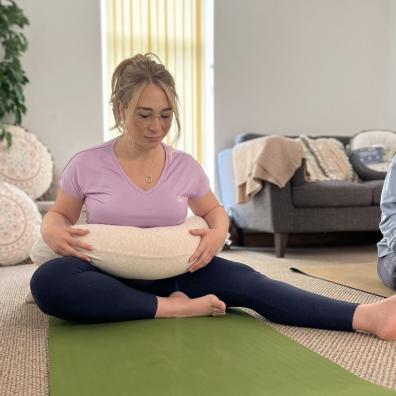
133, 252
374, 138
19, 224
27, 164
370, 153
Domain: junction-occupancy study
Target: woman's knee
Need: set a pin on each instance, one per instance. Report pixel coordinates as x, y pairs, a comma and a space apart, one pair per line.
386, 269
49, 280
232, 275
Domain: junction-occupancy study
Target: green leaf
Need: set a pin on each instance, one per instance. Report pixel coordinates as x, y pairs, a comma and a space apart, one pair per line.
12, 75
4, 134
9, 139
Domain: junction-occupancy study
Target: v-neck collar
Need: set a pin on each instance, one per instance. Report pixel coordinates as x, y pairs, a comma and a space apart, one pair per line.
126, 177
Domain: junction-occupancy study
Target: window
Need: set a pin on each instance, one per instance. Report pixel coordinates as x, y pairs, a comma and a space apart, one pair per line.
180, 32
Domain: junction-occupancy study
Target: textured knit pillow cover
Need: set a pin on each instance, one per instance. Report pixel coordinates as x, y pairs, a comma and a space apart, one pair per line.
27, 164
19, 224
326, 159
133, 252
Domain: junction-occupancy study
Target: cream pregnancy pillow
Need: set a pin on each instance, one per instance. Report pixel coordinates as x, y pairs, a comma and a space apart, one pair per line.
133, 252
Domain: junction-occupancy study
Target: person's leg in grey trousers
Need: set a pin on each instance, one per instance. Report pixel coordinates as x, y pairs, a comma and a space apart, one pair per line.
386, 268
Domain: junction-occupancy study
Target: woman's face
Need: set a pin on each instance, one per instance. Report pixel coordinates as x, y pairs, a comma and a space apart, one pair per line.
153, 117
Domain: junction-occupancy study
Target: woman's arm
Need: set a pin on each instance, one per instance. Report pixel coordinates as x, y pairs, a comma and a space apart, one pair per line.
65, 211
210, 209
56, 228
212, 239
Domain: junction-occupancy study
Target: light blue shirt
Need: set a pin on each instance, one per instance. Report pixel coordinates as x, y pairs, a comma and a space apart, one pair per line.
388, 212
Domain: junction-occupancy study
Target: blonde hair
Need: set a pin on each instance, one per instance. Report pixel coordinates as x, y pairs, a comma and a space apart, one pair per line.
129, 79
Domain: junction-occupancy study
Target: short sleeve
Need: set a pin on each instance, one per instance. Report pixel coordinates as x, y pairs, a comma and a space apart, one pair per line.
201, 181
71, 177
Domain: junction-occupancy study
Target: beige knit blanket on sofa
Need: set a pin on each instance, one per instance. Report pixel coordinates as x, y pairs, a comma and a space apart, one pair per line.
270, 158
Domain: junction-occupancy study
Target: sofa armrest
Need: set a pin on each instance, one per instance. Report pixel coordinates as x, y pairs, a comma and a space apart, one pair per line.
226, 178
298, 178
270, 210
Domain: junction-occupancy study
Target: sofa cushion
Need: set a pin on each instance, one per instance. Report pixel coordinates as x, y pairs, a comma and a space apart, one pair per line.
376, 189
299, 176
332, 193
374, 138
326, 159
369, 163
244, 136
371, 153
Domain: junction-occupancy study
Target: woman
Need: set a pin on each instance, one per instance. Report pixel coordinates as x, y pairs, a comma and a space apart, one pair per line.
137, 180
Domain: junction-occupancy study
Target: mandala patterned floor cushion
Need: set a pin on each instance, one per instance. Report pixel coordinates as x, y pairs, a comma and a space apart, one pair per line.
19, 223
133, 252
27, 164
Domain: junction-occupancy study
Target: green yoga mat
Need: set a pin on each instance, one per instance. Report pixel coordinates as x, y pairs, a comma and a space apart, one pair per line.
231, 355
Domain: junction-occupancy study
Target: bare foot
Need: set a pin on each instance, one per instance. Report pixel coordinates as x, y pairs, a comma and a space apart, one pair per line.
386, 325
201, 306
377, 318
179, 294
179, 305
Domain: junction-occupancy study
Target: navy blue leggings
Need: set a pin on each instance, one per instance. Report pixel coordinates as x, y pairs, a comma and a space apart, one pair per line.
73, 289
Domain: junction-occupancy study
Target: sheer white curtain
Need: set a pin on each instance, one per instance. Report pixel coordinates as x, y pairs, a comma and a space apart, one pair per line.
175, 31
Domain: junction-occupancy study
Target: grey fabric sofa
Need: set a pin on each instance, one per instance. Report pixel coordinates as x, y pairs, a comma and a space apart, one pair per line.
300, 207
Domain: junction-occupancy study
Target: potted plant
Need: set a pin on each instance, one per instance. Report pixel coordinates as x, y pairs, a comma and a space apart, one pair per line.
13, 44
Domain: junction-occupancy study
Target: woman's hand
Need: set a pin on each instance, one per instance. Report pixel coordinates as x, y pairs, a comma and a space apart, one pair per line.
211, 241
61, 239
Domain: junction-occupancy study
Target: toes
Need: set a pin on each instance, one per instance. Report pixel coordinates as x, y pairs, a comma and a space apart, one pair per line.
218, 313
220, 309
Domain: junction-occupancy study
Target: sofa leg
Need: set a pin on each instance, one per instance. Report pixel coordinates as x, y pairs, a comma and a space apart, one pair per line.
280, 240
234, 232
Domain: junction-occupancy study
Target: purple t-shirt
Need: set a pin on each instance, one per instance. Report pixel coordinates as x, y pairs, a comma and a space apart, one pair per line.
96, 176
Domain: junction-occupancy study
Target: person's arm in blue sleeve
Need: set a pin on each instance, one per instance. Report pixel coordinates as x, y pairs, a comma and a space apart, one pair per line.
388, 206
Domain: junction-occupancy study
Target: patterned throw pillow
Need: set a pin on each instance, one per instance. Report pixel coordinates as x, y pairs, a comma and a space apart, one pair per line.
19, 222
27, 164
326, 159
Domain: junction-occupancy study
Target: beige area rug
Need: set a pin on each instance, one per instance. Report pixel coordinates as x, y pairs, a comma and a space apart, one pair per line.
23, 328
362, 276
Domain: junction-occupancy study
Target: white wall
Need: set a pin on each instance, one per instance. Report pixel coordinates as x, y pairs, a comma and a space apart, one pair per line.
281, 66
286, 66
63, 64
390, 110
